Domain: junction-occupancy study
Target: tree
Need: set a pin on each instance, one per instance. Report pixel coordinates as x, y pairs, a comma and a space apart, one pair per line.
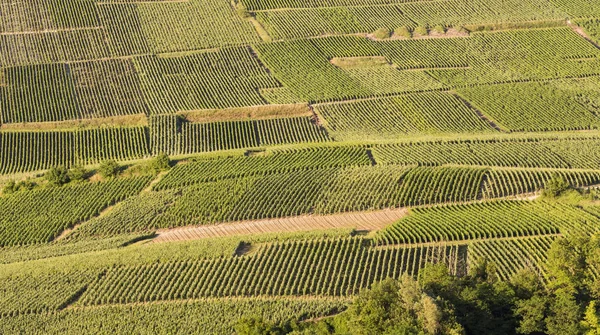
565, 315
421, 30
160, 163
57, 176
403, 31
253, 326
555, 186
77, 173
10, 187
242, 11
109, 169
439, 29
591, 320
382, 33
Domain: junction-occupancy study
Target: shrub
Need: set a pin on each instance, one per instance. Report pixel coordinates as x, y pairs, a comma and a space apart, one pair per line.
77, 173
25, 185
403, 31
382, 33
421, 30
160, 163
57, 176
242, 11
555, 187
439, 29
10, 187
109, 169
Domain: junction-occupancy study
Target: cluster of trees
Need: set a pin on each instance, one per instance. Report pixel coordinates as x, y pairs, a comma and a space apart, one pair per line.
60, 175
564, 302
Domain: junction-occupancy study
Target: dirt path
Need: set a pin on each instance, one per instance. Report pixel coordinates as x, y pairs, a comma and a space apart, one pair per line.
582, 32
360, 221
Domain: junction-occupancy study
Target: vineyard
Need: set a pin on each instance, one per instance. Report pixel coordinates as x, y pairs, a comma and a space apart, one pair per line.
179, 167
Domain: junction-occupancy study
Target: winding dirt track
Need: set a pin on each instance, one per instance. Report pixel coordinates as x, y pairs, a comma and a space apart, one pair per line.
361, 221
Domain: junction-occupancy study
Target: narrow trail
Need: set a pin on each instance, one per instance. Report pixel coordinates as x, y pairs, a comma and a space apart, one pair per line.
582, 32
368, 221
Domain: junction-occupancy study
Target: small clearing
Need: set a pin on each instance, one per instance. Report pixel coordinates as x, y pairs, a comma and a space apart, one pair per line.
360, 221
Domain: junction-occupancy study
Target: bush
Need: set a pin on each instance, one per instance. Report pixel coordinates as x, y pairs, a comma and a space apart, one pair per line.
160, 163
57, 176
403, 31
382, 33
77, 173
109, 169
422, 31
25, 185
10, 187
439, 29
242, 11
555, 187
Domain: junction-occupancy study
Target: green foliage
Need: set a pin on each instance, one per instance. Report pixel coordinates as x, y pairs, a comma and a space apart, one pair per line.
439, 29
421, 31
162, 162
403, 32
242, 11
57, 176
555, 187
109, 169
382, 33
77, 173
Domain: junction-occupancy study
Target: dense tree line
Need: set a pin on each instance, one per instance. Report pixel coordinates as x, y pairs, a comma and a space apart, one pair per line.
562, 302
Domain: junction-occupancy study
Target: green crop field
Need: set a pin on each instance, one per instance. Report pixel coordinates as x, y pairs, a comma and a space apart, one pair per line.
264, 166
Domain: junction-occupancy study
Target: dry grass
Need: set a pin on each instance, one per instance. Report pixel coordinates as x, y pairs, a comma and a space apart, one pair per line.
113, 121
247, 113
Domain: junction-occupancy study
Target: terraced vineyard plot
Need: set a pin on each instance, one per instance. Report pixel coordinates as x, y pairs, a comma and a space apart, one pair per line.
123, 40
578, 8
298, 23
38, 93
388, 80
39, 216
530, 107
32, 151
488, 220
392, 117
39, 294
528, 58
193, 24
207, 316
107, 88
58, 92
300, 66
465, 12
203, 170
172, 135
38, 15
512, 255
428, 53
53, 46
229, 77
511, 182
322, 267
274, 4
369, 188
62, 247
134, 215
485, 153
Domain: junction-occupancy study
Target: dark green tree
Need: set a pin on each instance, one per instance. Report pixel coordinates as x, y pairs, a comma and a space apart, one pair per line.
109, 169
57, 176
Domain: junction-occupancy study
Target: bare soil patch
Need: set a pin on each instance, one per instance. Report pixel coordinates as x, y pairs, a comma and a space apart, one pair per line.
369, 221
